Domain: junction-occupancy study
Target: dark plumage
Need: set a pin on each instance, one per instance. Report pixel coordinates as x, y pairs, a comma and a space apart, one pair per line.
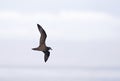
42, 46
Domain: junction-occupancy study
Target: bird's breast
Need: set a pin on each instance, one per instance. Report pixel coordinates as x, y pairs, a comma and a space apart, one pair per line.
42, 48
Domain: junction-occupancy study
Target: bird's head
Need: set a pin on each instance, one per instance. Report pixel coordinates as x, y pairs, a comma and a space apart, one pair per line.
49, 48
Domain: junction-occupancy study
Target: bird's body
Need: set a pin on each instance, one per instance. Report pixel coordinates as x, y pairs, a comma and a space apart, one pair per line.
42, 46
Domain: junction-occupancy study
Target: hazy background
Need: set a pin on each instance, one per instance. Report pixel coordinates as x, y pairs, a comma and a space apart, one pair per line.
84, 35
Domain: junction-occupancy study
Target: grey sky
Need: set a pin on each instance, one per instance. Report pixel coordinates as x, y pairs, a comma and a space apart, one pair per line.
84, 35
57, 5
81, 21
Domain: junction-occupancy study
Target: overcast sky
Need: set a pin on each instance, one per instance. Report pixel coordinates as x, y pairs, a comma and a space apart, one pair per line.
91, 26
91, 19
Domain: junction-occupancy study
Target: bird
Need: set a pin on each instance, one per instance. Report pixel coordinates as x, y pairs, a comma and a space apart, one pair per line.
42, 44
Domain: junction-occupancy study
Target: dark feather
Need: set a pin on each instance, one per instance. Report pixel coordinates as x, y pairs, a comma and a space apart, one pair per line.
42, 46
46, 56
43, 34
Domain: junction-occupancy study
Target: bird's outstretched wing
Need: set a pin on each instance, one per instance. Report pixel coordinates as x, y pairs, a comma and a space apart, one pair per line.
46, 55
43, 34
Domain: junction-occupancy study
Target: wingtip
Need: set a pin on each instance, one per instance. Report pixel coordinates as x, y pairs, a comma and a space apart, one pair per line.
38, 25
46, 56
45, 60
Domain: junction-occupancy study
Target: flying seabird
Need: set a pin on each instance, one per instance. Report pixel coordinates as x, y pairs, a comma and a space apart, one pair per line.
42, 46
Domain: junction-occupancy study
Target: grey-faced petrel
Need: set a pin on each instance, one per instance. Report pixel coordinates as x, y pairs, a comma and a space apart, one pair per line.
42, 46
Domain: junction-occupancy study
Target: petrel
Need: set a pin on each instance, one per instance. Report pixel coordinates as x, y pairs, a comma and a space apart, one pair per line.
42, 45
